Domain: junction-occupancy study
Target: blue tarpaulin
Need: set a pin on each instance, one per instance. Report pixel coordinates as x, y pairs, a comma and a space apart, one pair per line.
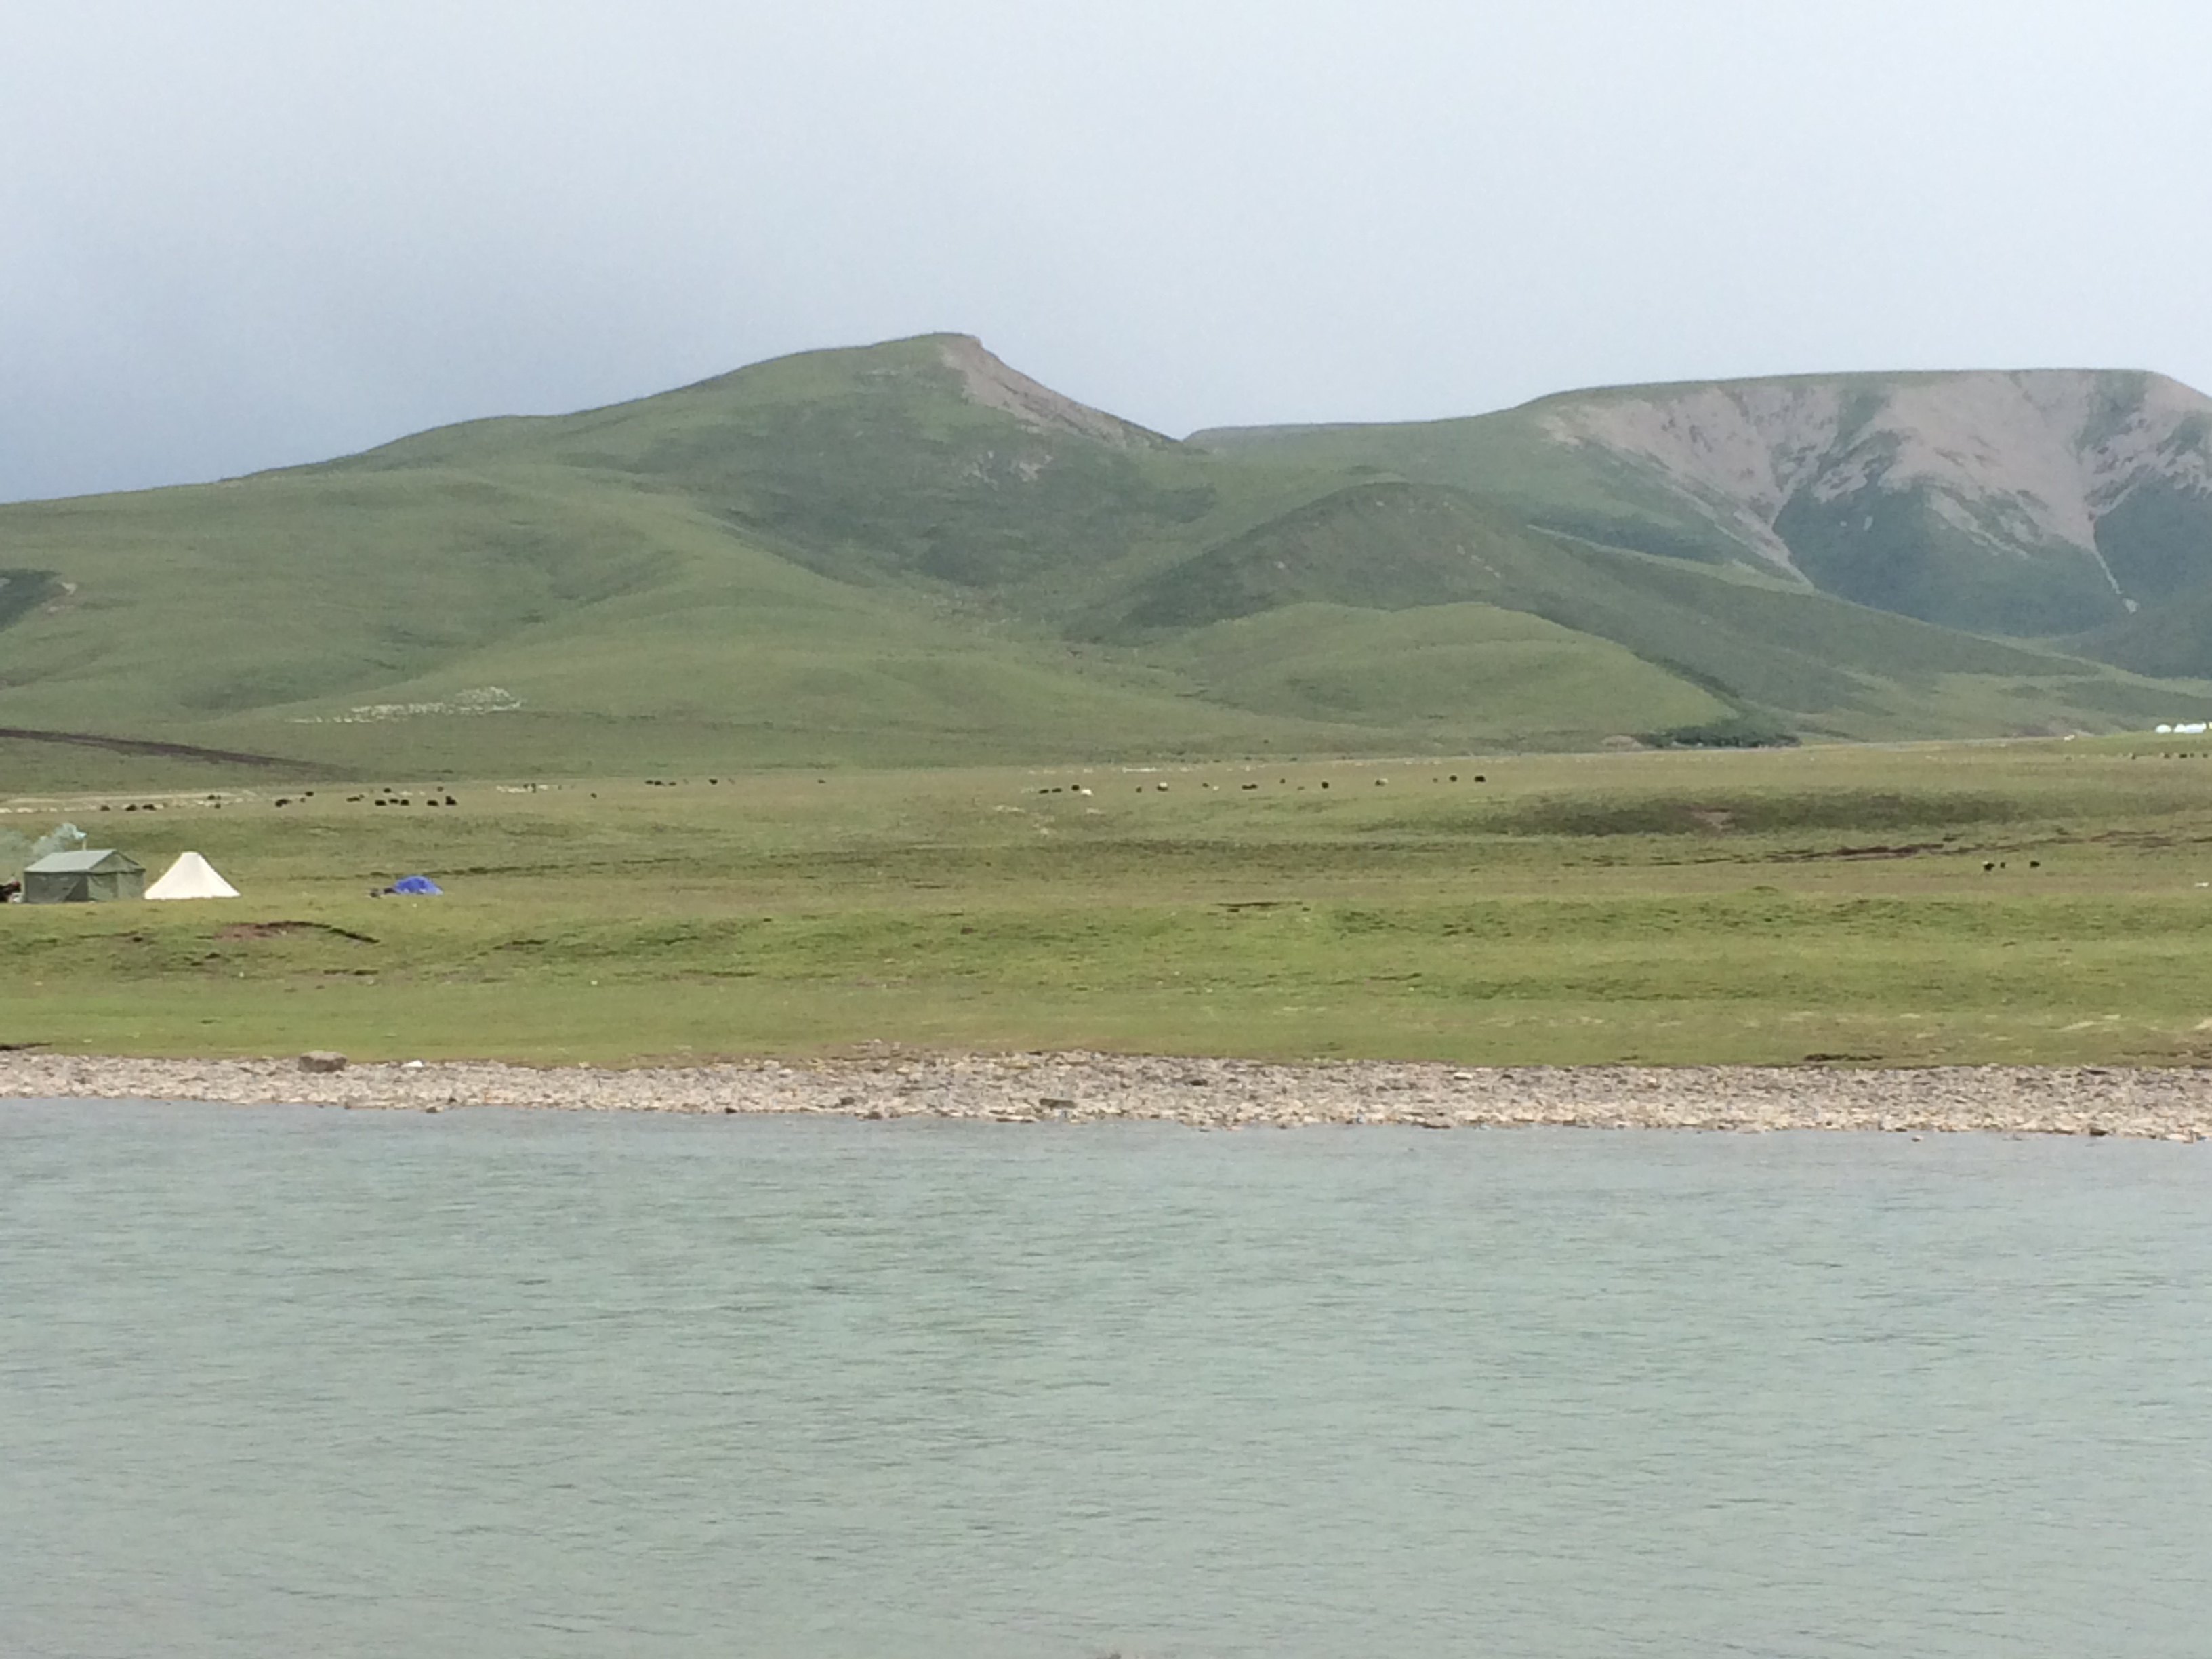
416, 885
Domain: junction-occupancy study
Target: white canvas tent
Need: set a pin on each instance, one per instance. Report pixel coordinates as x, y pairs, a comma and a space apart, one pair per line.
190, 877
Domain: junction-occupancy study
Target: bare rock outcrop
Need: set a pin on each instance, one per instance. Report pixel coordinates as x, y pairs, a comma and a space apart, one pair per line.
2012, 460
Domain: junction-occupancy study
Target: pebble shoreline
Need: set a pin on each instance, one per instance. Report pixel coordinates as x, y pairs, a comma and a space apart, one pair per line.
2173, 1104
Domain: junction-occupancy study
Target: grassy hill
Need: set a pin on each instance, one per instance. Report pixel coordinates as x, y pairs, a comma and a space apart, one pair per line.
911, 553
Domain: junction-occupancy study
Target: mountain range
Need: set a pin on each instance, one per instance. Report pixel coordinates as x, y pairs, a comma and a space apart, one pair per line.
913, 553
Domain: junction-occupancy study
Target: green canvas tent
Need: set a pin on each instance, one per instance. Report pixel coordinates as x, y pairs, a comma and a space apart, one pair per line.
75, 877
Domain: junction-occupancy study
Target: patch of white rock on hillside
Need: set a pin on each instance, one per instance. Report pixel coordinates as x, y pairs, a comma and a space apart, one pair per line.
2026, 458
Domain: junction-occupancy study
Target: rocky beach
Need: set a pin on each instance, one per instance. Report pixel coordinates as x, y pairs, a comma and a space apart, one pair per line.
1204, 1093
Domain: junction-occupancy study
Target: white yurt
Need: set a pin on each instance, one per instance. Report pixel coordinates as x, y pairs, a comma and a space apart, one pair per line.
190, 877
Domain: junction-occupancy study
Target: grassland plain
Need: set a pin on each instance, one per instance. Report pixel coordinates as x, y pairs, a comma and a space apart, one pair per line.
2034, 902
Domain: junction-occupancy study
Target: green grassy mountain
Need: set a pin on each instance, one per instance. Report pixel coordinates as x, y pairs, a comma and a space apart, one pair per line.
911, 553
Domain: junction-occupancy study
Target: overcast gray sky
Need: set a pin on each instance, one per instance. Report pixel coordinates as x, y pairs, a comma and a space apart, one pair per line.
235, 233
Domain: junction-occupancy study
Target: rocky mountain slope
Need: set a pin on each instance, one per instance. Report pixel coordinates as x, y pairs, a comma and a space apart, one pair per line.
2041, 504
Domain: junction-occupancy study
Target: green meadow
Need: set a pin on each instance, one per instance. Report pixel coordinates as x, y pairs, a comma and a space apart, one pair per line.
2041, 902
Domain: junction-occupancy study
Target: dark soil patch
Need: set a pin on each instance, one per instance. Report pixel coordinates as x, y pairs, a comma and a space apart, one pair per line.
175, 750
1844, 811
278, 929
1905, 851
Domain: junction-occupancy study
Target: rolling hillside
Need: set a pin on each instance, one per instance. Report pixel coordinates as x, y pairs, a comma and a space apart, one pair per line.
911, 553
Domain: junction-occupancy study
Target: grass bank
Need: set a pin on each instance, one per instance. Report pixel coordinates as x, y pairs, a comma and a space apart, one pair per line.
2032, 903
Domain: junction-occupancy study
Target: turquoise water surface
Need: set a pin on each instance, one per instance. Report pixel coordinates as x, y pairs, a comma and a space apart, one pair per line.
281, 1380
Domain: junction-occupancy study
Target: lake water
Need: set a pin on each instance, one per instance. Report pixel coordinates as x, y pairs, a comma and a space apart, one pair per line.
290, 1382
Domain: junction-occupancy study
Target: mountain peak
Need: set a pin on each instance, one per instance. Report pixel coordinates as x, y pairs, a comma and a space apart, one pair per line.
994, 383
